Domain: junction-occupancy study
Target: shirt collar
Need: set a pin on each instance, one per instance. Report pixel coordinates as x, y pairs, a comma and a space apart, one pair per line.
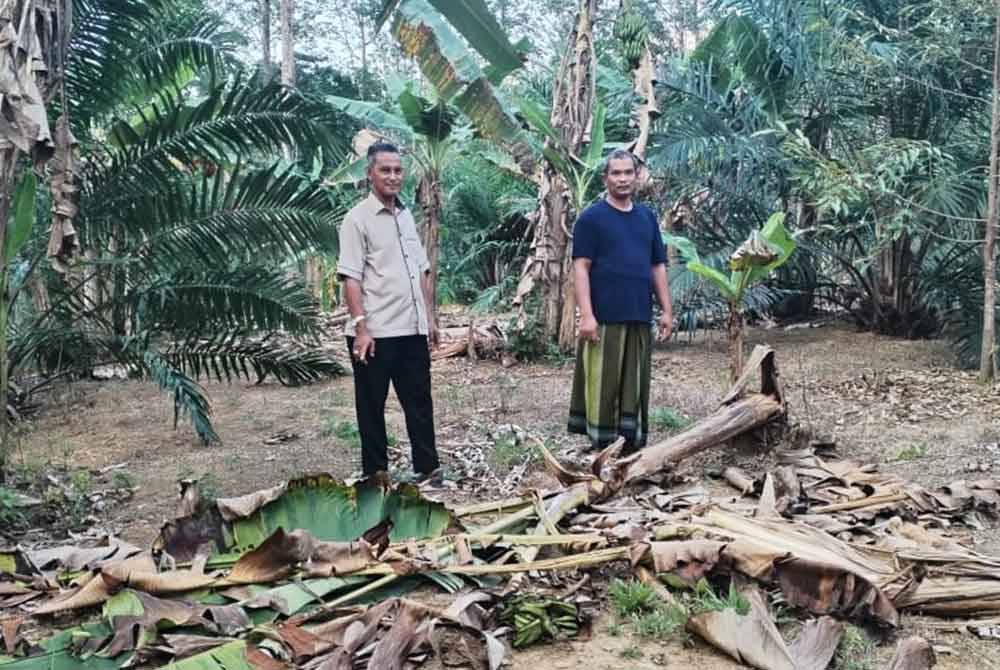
375, 205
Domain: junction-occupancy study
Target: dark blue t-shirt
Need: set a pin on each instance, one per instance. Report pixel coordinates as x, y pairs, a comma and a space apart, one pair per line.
623, 248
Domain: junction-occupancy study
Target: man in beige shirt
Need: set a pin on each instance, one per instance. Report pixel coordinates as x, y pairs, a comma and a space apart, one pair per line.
387, 287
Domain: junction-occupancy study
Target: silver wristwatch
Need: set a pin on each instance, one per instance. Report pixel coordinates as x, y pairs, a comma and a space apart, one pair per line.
353, 322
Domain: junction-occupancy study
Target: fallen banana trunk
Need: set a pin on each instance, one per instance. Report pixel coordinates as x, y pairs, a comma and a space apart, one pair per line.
739, 414
475, 341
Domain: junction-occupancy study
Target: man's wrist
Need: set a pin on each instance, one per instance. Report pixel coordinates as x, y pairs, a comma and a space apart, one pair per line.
357, 324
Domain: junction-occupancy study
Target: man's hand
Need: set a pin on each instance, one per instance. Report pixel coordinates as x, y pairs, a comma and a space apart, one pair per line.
666, 326
364, 345
588, 328
433, 335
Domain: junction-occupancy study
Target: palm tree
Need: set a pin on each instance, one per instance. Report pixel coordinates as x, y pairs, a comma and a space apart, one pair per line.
185, 212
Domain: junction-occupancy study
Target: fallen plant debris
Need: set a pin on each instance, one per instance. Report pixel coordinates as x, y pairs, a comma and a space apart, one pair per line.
315, 572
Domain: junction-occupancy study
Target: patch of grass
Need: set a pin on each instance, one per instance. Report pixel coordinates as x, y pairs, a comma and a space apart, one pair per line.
122, 480
663, 621
631, 597
615, 629
10, 514
80, 486
508, 451
346, 431
856, 650
632, 652
914, 452
668, 419
705, 599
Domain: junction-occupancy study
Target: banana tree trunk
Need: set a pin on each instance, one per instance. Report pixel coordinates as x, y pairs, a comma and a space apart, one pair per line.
988, 354
8, 166
431, 199
546, 273
735, 333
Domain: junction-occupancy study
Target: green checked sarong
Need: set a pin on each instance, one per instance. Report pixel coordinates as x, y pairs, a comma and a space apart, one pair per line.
610, 395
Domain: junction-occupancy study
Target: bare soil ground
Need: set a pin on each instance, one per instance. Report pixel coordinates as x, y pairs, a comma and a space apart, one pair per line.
896, 403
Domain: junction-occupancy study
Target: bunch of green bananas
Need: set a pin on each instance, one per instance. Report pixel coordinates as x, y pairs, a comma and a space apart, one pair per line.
534, 617
631, 32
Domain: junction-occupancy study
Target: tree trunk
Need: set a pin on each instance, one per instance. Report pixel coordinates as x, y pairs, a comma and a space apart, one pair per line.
8, 166
735, 333
287, 43
264, 6
988, 355
431, 200
546, 273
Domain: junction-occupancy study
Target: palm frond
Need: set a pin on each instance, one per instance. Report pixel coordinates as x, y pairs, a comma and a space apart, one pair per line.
233, 355
234, 121
196, 304
189, 396
211, 221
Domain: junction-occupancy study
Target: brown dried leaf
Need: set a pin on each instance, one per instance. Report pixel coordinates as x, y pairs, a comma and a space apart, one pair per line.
816, 644
689, 560
752, 639
913, 653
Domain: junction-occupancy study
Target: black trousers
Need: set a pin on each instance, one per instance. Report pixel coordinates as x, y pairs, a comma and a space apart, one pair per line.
406, 362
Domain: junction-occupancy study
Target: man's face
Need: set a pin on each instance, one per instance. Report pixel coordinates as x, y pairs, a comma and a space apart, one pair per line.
386, 174
620, 179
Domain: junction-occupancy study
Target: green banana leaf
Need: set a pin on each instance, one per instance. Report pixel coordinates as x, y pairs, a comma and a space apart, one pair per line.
329, 509
450, 67
777, 237
426, 118
230, 656
373, 114
334, 511
693, 263
474, 20
595, 151
19, 227
58, 652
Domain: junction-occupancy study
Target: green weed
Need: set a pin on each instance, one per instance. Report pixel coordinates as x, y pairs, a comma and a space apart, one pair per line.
10, 514
632, 652
122, 480
705, 599
664, 620
913, 452
631, 597
856, 650
668, 419
508, 451
615, 629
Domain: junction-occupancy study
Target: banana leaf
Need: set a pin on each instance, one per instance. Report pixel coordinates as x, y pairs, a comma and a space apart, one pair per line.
447, 63
231, 656
474, 20
329, 509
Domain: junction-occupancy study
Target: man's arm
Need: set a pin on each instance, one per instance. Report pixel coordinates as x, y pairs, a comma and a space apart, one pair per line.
427, 288
581, 289
662, 288
364, 343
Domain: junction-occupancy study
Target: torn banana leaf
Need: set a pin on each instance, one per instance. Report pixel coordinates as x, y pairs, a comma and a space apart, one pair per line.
329, 509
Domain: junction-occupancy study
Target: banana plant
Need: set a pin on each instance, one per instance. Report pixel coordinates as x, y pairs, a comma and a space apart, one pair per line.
763, 252
579, 171
18, 228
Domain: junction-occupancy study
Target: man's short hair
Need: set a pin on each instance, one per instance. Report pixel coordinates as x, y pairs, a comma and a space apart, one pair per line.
617, 155
380, 148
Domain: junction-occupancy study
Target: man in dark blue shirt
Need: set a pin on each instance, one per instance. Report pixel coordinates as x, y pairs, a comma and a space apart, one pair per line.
619, 261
